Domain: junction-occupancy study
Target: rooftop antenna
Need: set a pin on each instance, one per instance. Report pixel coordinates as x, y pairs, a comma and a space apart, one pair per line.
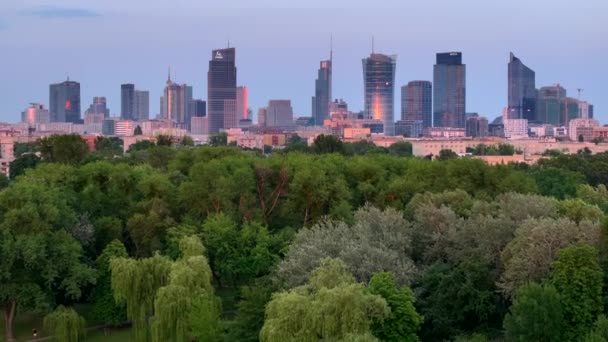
372, 44
169, 74
580, 90
331, 47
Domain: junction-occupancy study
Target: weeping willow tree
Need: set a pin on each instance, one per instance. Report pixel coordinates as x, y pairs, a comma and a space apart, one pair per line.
332, 307
65, 325
161, 295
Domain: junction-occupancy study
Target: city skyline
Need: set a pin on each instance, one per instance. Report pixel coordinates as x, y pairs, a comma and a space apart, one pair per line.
293, 52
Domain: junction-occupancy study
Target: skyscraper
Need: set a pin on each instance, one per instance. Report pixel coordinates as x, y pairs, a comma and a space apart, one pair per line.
174, 102
549, 107
141, 108
64, 101
99, 106
449, 90
522, 90
322, 98
221, 86
127, 101
279, 114
417, 102
379, 89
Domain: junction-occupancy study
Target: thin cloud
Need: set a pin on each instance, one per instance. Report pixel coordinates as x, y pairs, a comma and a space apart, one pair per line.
48, 12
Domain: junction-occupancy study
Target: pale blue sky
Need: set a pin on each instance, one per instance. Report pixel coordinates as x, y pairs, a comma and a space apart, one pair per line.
103, 43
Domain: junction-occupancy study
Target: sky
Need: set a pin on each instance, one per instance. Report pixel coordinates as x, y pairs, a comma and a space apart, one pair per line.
103, 43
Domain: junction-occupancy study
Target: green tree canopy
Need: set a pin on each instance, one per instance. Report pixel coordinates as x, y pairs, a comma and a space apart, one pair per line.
331, 306
65, 325
536, 315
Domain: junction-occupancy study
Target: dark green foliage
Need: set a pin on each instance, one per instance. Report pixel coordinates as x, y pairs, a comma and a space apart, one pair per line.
556, 182
64, 149
105, 310
327, 144
404, 322
401, 149
140, 146
22, 163
137, 130
536, 315
250, 311
108, 147
578, 277
456, 299
187, 141
446, 155
164, 140
219, 139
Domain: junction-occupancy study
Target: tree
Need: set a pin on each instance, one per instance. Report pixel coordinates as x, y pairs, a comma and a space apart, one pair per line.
140, 146
296, 144
175, 294
401, 149
331, 306
20, 164
249, 317
327, 144
457, 299
65, 149
65, 325
187, 141
105, 309
39, 260
137, 130
599, 333
536, 315
528, 257
403, 322
109, 147
578, 278
377, 241
581, 138
446, 154
164, 140
219, 139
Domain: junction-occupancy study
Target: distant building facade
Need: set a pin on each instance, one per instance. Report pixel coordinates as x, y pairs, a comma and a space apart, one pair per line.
417, 102
477, 127
127, 101
549, 106
521, 90
449, 90
64, 102
221, 86
279, 113
141, 108
323, 92
379, 89
35, 114
174, 102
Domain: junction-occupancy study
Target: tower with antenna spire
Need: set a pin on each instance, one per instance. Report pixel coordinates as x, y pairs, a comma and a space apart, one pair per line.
323, 88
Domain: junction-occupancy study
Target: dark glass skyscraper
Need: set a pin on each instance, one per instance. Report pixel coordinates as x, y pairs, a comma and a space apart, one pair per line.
417, 102
550, 109
379, 89
449, 93
322, 98
127, 101
221, 87
64, 102
522, 90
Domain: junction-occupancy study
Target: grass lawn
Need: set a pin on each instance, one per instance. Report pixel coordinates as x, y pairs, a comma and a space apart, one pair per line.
118, 335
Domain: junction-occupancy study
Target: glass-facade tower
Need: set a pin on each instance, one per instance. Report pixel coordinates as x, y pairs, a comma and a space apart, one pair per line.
417, 102
221, 87
127, 101
64, 102
449, 90
379, 89
522, 90
322, 98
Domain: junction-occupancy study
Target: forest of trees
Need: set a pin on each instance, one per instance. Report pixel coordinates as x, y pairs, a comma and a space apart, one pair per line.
333, 242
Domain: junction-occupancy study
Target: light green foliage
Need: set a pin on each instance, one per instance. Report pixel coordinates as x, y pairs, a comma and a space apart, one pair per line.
597, 196
536, 315
403, 322
173, 293
65, 325
377, 241
330, 307
578, 210
578, 278
135, 283
524, 261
